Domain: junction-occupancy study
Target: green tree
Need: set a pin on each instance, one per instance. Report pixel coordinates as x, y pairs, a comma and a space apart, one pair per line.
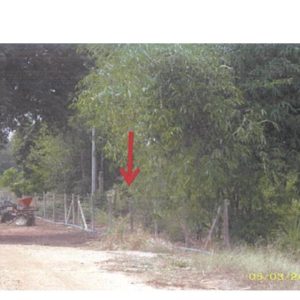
14, 179
6, 158
37, 84
188, 118
268, 78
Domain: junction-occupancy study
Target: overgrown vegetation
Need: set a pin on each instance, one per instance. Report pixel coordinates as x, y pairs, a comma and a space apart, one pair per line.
211, 122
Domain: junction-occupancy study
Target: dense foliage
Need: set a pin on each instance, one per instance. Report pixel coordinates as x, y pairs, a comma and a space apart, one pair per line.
211, 122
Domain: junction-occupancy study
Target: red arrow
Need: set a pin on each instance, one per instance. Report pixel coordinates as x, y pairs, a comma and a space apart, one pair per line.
130, 175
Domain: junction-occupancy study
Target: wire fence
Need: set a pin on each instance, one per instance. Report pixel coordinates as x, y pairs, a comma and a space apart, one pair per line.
73, 210
86, 213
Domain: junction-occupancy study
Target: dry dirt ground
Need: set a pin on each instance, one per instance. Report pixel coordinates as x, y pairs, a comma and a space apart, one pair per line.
49, 256
56, 257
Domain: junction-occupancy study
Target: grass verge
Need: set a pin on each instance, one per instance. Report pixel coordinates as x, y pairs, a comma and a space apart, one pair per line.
261, 268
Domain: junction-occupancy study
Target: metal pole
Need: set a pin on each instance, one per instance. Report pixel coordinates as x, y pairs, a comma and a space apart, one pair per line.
78, 210
94, 168
92, 213
101, 175
53, 206
73, 209
65, 207
44, 204
94, 176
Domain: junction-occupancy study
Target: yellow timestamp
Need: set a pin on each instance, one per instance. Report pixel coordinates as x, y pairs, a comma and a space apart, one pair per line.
274, 276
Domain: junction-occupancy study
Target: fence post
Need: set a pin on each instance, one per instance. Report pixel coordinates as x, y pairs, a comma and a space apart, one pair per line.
73, 209
78, 210
53, 207
92, 212
65, 207
80, 213
226, 225
110, 197
69, 212
44, 205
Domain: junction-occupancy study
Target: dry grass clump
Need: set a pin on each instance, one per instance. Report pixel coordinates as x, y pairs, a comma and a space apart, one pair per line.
120, 237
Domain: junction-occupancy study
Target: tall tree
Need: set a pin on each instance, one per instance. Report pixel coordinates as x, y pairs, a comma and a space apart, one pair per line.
269, 76
37, 83
187, 115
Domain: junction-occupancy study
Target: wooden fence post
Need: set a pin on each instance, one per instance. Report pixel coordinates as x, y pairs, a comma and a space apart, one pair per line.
226, 225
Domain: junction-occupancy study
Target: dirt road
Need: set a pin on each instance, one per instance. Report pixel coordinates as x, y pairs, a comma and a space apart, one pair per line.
38, 258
